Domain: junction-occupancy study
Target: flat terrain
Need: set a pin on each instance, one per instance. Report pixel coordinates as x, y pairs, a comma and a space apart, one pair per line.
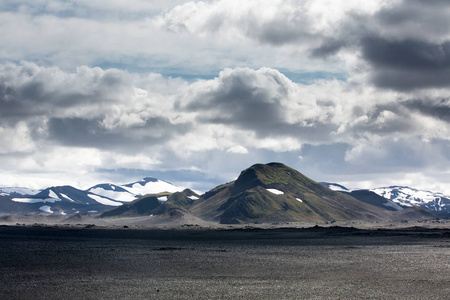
316, 263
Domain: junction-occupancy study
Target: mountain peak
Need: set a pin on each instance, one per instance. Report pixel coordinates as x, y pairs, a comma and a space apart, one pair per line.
142, 182
259, 175
271, 175
149, 179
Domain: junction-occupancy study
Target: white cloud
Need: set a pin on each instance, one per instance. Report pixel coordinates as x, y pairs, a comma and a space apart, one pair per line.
238, 149
16, 139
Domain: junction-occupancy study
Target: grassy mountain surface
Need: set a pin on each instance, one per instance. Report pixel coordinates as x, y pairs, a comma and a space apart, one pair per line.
275, 192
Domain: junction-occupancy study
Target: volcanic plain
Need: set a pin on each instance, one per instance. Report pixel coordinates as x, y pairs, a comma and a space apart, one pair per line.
60, 262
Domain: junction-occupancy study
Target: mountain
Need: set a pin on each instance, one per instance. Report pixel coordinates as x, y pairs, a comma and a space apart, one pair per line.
67, 200
274, 193
397, 197
408, 197
366, 196
262, 193
62, 200
153, 204
131, 191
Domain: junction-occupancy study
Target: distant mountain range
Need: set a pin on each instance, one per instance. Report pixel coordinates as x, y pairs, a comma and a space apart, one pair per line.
398, 197
67, 200
262, 193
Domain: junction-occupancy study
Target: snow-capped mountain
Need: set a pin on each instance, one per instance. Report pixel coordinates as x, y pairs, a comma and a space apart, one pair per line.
407, 196
149, 185
130, 191
399, 197
366, 196
69, 200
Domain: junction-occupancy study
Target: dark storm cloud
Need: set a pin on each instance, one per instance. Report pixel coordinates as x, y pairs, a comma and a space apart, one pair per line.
27, 90
410, 80
439, 109
407, 55
328, 48
429, 15
407, 64
81, 132
407, 45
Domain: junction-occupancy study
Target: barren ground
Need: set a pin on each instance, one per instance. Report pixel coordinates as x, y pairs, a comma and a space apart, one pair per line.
38, 262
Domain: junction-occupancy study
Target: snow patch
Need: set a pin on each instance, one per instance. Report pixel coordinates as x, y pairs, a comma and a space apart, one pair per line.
67, 197
115, 195
193, 197
275, 191
52, 194
153, 187
35, 200
104, 201
46, 209
298, 199
92, 212
162, 199
337, 188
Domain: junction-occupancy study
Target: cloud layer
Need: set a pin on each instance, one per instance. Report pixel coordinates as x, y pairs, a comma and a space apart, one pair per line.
341, 90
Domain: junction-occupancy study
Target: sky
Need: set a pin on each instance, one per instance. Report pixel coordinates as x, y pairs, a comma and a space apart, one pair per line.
193, 92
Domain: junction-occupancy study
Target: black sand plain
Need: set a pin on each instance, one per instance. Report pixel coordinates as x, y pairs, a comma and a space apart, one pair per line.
52, 262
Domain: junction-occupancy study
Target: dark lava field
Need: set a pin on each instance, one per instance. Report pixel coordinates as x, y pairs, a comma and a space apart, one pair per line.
45, 262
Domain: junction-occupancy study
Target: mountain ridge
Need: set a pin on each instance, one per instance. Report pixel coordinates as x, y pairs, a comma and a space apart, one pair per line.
262, 193
400, 197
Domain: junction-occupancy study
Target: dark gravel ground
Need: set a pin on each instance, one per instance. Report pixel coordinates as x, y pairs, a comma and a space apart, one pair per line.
317, 263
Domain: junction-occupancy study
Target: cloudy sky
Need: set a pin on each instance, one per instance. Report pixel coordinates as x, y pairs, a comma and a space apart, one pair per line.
354, 92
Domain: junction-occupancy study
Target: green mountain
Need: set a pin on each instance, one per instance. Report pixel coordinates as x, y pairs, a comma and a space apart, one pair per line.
274, 193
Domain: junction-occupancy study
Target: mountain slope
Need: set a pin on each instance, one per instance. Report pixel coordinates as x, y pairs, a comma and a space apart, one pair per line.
153, 204
275, 192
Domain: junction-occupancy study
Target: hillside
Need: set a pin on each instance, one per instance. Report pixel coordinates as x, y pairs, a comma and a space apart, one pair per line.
274, 193
153, 204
